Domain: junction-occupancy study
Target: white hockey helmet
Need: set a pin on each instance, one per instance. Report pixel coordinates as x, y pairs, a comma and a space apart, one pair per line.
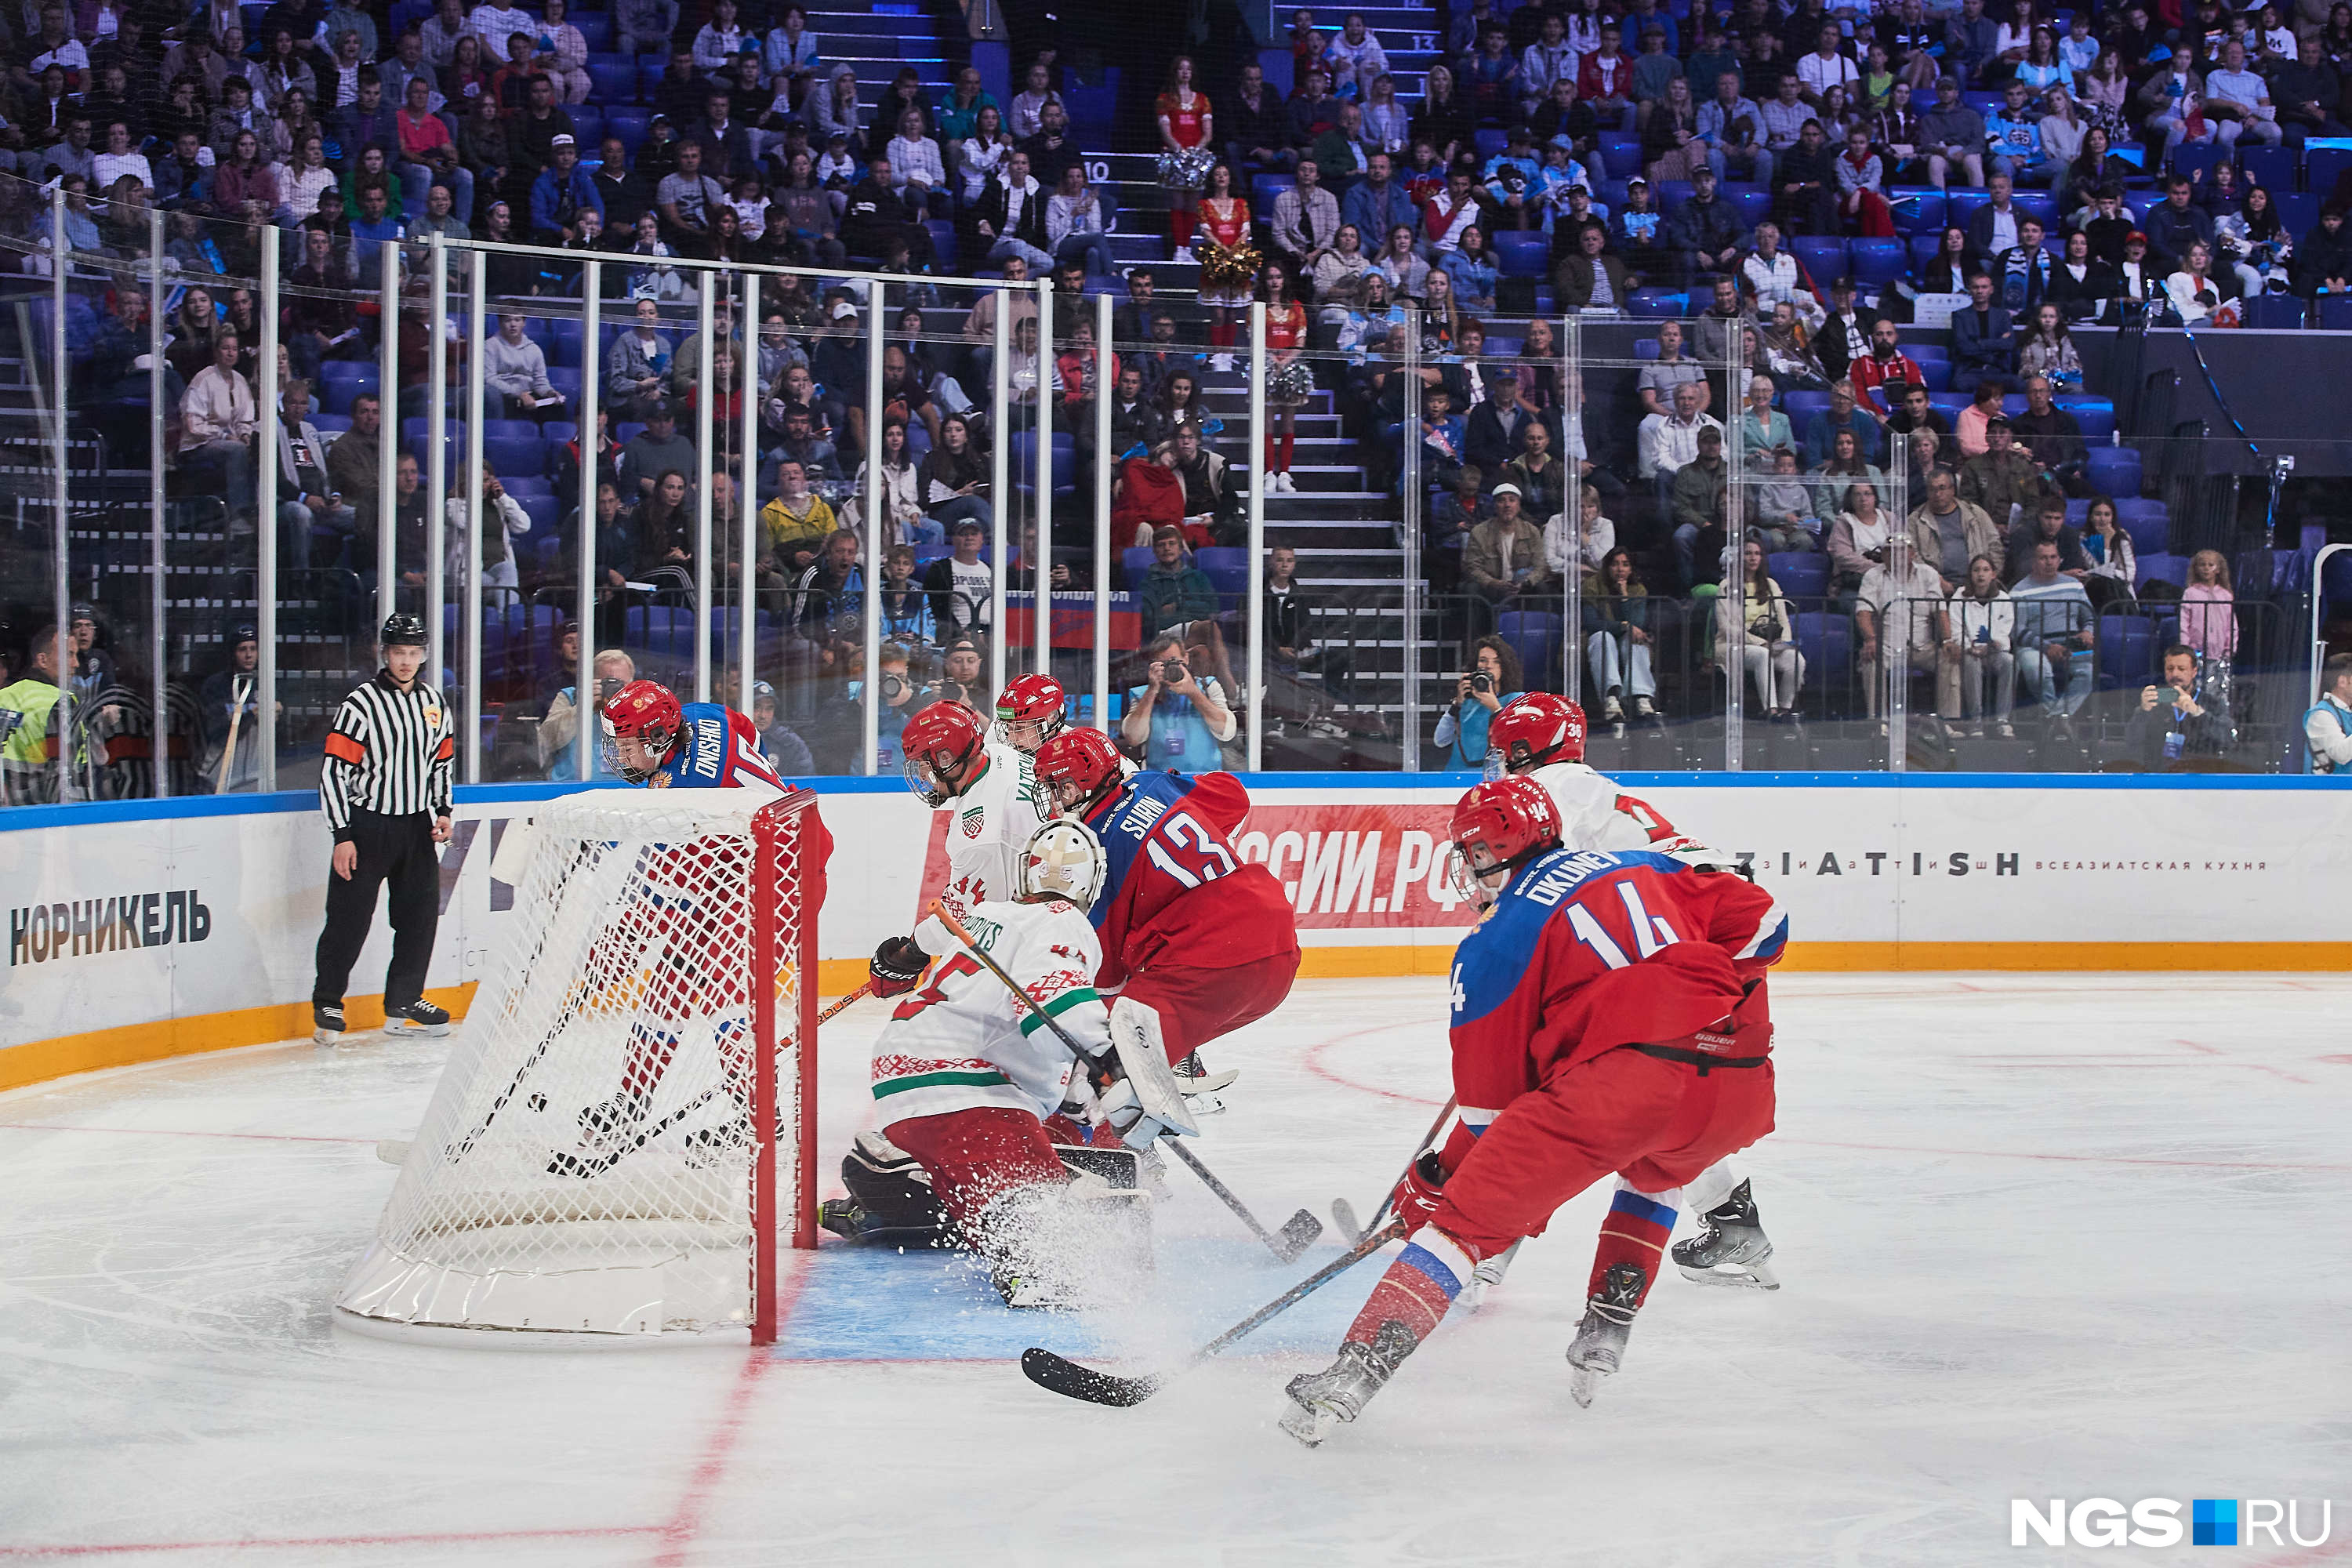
1064, 860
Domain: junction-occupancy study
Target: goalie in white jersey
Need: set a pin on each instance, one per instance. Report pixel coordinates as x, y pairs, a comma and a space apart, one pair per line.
965, 1075
1541, 737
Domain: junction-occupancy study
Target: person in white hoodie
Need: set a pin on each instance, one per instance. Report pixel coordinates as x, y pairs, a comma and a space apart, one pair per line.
497, 546
1979, 618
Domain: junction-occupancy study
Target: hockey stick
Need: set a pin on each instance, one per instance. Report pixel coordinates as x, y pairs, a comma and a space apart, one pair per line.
563, 1164
1345, 1213
1063, 1376
859, 995
1298, 1233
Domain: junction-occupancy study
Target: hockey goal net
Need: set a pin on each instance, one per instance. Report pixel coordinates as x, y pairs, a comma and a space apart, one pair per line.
625, 1123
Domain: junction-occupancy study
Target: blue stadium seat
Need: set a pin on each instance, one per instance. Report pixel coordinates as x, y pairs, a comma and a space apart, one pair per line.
2114, 469
1226, 567
1535, 635
2190, 158
614, 83
2156, 566
1826, 639
514, 454
521, 485
1875, 260
2125, 651
1801, 573
1821, 255
587, 129
510, 430
2297, 210
2275, 311
2041, 205
1527, 255
629, 124
1622, 153
1925, 352
1645, 348
331, 424
595, 28
1959, 205
565, 379
1800, 407
2096, 416
1918, 209
1754, 202
2272, 168
1936, 373
545, 512
1947, 404
1672, 195
1492, 142
2336, 313
1135, 563
2148, 523
1658, 303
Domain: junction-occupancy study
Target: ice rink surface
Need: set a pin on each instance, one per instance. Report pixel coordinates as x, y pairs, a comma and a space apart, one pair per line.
2049, 1236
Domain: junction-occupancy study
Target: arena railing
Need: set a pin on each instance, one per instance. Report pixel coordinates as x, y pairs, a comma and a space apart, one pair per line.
96, 523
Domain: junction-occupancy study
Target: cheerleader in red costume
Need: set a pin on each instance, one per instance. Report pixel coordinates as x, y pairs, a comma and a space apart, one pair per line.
1288, 382
1184, 155
1228, 262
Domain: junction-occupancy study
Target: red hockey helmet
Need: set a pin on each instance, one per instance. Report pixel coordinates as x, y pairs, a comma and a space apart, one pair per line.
1029, 711
1076, 769
941, 744
1500, 826
1539, 728
646, 712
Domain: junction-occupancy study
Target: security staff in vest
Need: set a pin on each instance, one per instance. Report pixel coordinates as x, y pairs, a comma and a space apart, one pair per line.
385, 791
36, 715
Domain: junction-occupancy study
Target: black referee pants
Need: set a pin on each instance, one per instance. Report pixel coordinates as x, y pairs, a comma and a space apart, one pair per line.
398, 850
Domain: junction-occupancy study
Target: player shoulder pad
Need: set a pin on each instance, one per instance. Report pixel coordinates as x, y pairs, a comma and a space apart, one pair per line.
1136, 809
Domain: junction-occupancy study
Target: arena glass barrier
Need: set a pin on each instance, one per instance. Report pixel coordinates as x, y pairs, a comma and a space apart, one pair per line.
243, 637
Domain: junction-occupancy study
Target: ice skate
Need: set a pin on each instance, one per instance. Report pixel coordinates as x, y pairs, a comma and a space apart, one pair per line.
1732, 1250
1321, 1401
1203, 1088
326, 1023
1489, 1274
420, 1019
1600, 1343
609, 1124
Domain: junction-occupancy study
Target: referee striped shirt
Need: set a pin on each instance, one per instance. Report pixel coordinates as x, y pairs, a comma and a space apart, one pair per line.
391, 753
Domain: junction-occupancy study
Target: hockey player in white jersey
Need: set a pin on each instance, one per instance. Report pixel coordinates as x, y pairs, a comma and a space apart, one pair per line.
1541, 737
965, 1075
986, 789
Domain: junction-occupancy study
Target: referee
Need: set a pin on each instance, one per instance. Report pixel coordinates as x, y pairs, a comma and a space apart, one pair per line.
385, 791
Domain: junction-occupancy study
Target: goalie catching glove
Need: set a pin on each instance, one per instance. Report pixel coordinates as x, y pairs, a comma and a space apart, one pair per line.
897, 966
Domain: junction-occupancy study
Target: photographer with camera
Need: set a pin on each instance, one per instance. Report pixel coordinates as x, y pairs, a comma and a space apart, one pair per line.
612, 669
963, 680
1179, 717
1493, 683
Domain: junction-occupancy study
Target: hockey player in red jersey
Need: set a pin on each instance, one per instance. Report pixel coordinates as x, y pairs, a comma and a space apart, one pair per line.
1194, 939
695, 974
1603, 1019
1541, 737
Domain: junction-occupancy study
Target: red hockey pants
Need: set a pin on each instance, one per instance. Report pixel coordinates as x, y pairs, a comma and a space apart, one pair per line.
975, 1157
1657, 1124
1196, 1005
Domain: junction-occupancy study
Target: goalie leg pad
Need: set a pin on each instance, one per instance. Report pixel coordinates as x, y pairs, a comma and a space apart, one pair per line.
1119, 1167
892, 1203
1142, 1052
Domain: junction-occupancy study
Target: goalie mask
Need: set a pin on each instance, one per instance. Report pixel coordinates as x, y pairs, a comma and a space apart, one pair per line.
1499, 825
1062, 860
645, 712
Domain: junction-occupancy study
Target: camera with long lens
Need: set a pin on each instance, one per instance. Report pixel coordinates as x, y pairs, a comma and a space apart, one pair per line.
893, 689
1174, 672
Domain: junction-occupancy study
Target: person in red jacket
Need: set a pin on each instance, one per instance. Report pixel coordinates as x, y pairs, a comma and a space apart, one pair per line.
1605, 81
1605, 1019
1192, 934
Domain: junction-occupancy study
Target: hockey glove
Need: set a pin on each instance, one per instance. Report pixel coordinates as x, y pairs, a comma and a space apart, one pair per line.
1117, 1107
897, 966
1417, 1196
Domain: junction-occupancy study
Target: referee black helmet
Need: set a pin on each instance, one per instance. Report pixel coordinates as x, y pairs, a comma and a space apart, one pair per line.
404, 630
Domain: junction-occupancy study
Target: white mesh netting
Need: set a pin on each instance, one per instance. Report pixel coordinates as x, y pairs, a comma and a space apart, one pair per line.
586, 1164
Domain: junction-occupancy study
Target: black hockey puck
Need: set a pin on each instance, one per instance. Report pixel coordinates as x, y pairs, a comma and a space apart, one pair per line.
536, 1102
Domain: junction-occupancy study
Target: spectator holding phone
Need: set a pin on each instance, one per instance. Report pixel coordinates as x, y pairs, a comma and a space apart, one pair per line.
2181, 718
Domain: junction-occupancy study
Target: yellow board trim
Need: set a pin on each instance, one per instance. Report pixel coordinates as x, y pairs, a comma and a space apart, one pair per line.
40, 1061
